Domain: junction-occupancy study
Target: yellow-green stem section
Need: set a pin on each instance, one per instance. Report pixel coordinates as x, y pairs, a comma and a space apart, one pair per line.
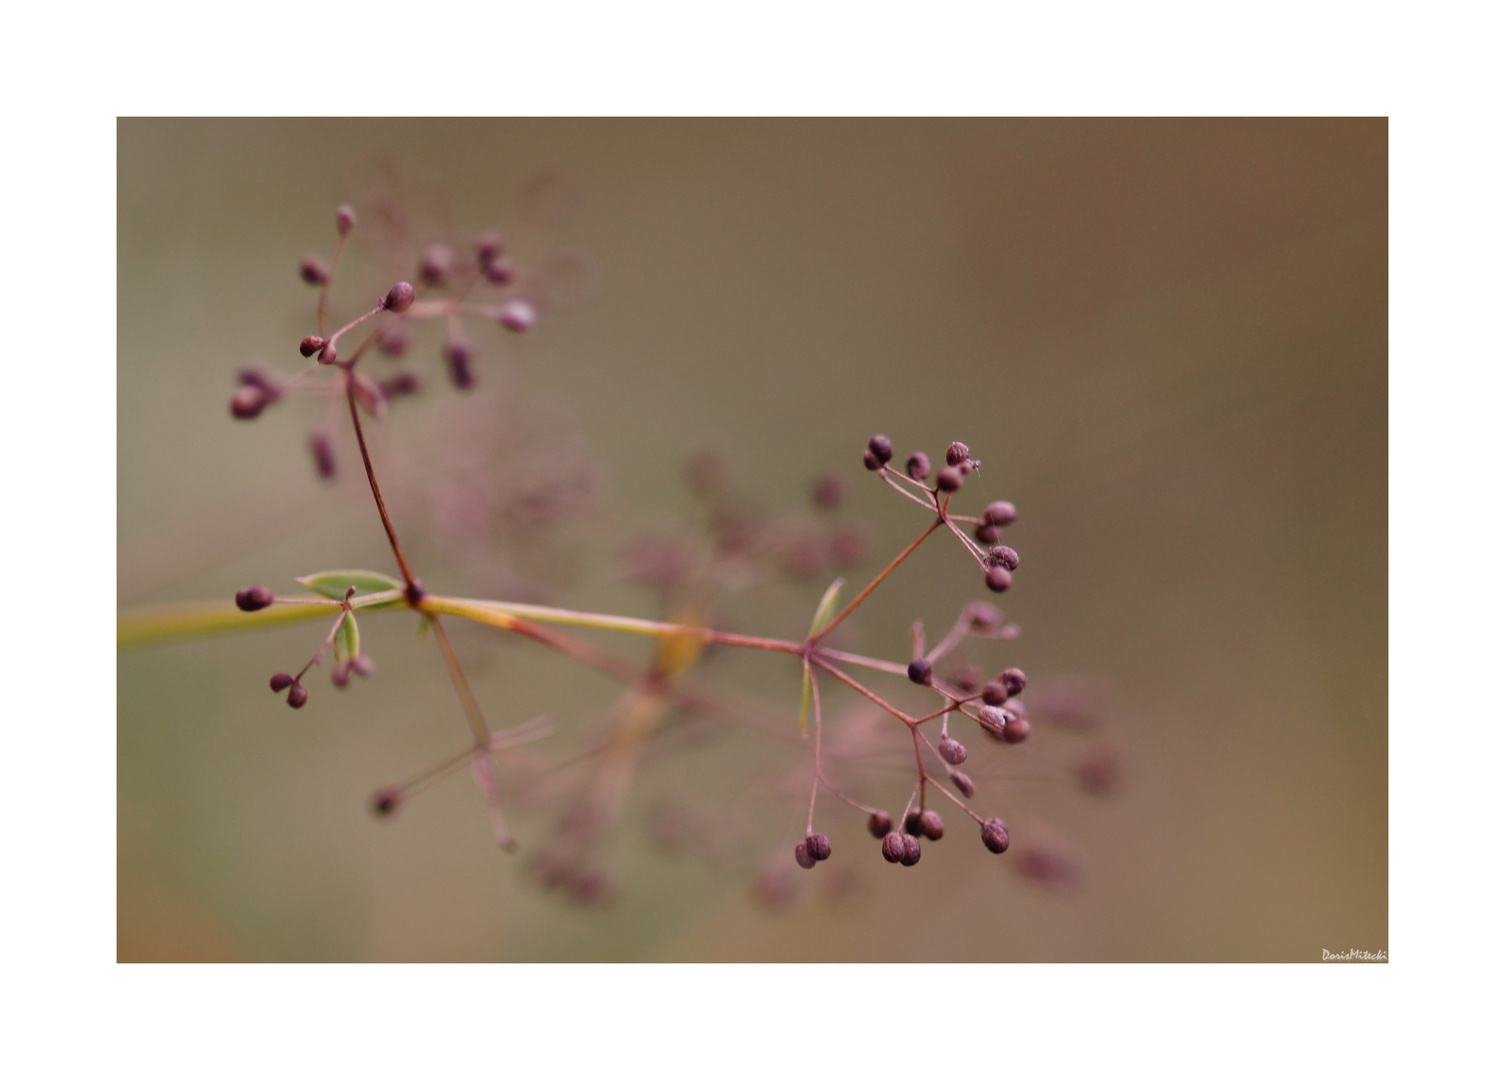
175, 622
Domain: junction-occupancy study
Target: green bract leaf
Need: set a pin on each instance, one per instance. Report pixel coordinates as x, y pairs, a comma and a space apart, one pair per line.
350, 636
334, 583
827, 607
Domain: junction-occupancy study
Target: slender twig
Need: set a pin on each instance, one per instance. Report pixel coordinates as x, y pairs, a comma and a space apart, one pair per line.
863, 595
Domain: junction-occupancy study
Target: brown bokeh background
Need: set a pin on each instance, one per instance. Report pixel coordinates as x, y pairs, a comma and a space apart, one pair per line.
1166, 340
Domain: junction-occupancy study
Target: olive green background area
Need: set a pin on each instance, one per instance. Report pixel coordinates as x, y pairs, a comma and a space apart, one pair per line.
1165, 340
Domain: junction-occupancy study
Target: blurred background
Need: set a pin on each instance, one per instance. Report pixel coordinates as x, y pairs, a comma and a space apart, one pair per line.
1165, 340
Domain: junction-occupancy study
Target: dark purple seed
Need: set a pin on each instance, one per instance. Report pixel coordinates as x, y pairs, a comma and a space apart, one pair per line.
998, 579
957, 453
489, 245
987, 534
1004, 556
247, 402
297, 695
262, 381
880, 824
995, 835
310, 345
882, 448
911, 851
1016, 731
323, 452
963, 783
919, 671
912, 823
802, 854
949, 479
1000, 513
894, 847
254, 599
819, 845
313, 270
1013, 681
870, 461
932, 825
399, 385
399, 297
457, 356
386, 800
953, 752
918, 465
281, 681
995, 693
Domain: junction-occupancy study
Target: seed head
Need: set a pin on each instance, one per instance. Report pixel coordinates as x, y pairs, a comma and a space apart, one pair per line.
919, 671
848, 547
281, 681
393, 338
1004, 556
254, 599
340, 676
963, 783
911, 851
489, 245
949, 479
1013, 681
457, 356
819, 846
995, 693
399, 297
1097, 772
918, 465
957, 453
386, 800
262, 381
499, 271
998, 578
932, 825
399, 385
434, 267
518, 316
1000, 513
882, 448
828, 493
313, 270
247, 402
297, 695
995, 835
344, 218
880, 824
987, 534
894, 846
952, 751
323, 452
310, 345
993, 718
802, 854
870, 461
912, 823
363, 665
1016, 731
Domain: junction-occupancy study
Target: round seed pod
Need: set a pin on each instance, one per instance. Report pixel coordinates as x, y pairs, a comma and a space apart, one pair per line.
894, 846
363, 665
297, 695
998, 579
957, 453
340, 676
254, 599
995, 693
1000, 513
911, 851
949, 479
912, 823
386, 800
247, 402
870, 461
518, 316
802, 854
919, 671
313, 270
987, 534
819, 845
1004, 556
880, 824
952, 751
400, 297
310, 345
1016, 731
993, 718
963, 783
281, 681
932, 825
882, 448
995, 835
918, 466
344, 218
1013, 681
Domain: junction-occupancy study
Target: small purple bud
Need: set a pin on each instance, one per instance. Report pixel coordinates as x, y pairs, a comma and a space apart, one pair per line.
882, 448
893, 847
1013, 681
254, 599
918, 465
457, 356
399, 297
499, 271
870, 461
262, 381
1000, 513
995, 835
953, 752
957, 453
323, 452
344, 218
919, 671
963, 783
297, 695
310, 345
932, 825
399, 385
802, 854
880, 824
314, 271
247, 402
987, 534
819, 846
363, 665
949, 479
518, 316
434, 267
1016, 731
489, 245
998, 579
340, 676
912, 823
281, 681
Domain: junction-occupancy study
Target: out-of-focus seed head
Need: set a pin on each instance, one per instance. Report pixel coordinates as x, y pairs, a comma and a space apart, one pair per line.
880, 824
499, 271
966, 678
993, 718
363, 665
393, 338
262, 381
310, 345
984, 616
386, 800
340, 676
297, 695
1016, 731
323, 452
802, 854
519, 316
918, 465
1000, 513
919, 671
963, 783
932, 825
828, 493
882, 448
1097, 772
953, 752
1004, 556
870, 461
894, 847
435, 265
399, 297
254, 599
489, 245
399, 385
344, 218
911, 851
987, 534
819, 845
458, 358
957, 453
949, 479
248, 402
998, 578
848, 546
912, 823
281, 681
995, 835
995, 693
706, 473
1013, 681
313, 270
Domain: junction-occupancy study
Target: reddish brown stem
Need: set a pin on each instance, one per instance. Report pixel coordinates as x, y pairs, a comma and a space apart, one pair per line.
381, 507
889, 569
